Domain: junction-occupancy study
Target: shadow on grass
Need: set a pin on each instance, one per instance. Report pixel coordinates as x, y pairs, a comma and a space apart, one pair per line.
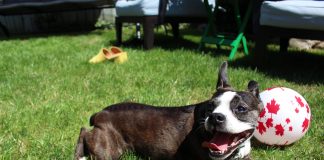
171, 43
301, 67
260, 146
160, 40
296, 66
68, 33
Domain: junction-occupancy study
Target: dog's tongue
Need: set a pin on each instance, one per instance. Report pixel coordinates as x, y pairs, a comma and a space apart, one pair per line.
219, 142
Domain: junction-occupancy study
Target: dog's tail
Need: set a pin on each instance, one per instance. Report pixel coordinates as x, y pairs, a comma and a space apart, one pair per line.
81, 149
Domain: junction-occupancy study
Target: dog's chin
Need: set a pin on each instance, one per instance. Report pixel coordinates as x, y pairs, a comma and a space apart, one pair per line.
222, 145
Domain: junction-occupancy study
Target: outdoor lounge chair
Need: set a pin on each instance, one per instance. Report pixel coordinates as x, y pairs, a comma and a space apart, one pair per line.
28, 7
285, 20
153, 12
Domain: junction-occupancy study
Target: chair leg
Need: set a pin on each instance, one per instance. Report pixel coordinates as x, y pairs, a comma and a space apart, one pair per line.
175, 29
119, 30
284, 42
246, 49
148, 28
138, 30
4, 29
260, 48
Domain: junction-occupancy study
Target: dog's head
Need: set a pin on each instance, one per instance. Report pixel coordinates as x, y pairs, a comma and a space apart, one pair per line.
231, 116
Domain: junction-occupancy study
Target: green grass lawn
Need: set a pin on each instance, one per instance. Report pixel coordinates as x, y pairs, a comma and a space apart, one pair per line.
48, 90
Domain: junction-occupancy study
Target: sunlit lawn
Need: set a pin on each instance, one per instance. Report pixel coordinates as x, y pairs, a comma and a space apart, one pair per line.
48, 90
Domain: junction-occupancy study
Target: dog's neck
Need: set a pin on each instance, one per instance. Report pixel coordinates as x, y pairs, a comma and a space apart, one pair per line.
200, 111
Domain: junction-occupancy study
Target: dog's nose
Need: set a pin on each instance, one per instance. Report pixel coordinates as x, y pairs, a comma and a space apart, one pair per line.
218, 118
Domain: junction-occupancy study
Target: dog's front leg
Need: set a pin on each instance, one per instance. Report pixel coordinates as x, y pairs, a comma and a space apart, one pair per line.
244, 151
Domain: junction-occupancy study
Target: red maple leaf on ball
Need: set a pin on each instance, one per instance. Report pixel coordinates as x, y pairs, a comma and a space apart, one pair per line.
296, 110
279, 130
299, 100
307, 107
305, 124
273, 107
263, 112
274, 88
269, 122
287, 120
261, 128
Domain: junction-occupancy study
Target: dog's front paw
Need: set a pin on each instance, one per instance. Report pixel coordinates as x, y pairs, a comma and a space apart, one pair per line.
244, 151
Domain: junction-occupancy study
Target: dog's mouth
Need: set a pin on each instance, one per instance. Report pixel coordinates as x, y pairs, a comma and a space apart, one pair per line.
223, 144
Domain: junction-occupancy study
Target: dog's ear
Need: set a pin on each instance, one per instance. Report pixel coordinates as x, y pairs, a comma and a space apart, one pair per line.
253, 87
222, 82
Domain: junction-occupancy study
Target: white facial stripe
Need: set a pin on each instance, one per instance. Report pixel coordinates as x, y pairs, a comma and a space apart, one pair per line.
224, 103
232, 125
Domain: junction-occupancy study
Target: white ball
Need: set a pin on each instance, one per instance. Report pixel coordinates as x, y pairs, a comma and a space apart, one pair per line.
285, 118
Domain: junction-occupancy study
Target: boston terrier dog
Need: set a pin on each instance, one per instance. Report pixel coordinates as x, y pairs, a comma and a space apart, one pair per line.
218, 128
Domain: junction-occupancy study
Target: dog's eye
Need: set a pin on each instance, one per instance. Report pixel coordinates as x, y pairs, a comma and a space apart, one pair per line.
241, 109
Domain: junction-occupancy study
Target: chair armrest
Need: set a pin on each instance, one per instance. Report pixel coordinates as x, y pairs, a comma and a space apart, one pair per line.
135, 8
256, 12
122, 3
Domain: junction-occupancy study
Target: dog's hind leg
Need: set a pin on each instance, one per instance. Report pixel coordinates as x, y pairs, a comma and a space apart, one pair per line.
80, 150
90, 144
100, 144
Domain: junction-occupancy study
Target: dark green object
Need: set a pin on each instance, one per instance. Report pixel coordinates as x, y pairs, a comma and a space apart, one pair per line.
211, 36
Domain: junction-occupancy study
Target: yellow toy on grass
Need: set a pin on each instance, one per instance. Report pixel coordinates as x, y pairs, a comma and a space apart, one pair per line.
113, 53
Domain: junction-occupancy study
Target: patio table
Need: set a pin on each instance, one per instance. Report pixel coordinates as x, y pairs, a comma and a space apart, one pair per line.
212, 36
